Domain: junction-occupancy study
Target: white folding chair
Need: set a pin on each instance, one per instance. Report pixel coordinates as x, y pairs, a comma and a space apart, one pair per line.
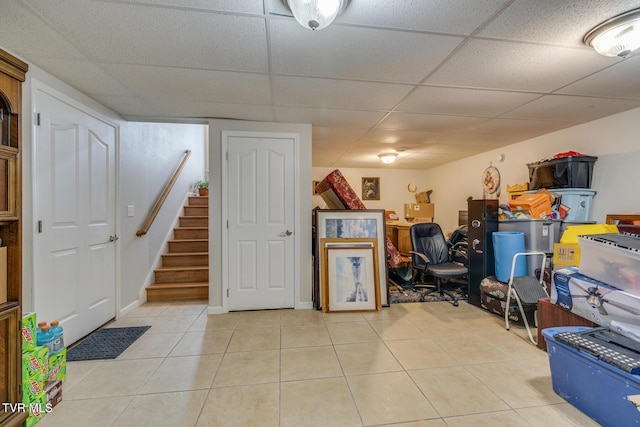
525, 289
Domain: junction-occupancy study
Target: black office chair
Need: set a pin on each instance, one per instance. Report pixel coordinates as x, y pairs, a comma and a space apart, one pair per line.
432, 256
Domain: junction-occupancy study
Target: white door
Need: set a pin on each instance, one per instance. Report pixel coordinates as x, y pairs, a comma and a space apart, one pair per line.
261, 212
74, 256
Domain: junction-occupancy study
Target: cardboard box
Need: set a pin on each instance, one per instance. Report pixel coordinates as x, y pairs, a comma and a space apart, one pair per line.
596, 301
54, 392
37, 409
423, 197
566, 255
419, 210
58, 366
31, 389
35, 364
29, 328
538, 205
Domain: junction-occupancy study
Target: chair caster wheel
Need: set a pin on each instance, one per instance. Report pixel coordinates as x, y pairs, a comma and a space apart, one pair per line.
455, 303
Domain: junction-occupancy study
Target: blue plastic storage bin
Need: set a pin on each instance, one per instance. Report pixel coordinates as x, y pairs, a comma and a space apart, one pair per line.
578, 200
598, 389
505, 245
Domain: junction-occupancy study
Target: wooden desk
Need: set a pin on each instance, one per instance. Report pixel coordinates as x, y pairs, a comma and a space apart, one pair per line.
552, 315
399, 235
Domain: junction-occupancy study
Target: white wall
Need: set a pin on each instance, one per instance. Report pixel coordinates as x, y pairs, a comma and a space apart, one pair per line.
148, 153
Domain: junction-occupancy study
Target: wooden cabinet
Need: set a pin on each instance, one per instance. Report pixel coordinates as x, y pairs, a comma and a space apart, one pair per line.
12, 75
552, 315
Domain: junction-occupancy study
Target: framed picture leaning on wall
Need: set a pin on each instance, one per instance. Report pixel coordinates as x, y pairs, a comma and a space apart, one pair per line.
350, 224
350, 279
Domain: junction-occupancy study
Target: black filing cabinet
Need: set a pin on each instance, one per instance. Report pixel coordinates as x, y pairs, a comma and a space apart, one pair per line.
482, 222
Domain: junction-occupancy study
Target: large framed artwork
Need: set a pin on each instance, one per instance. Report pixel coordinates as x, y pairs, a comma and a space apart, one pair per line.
350, 279
352, 224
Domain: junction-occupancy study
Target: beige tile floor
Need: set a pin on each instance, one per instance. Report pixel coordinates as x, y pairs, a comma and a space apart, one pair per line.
421, 364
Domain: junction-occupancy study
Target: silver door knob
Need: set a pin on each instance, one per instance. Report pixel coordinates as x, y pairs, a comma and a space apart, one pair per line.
286, 233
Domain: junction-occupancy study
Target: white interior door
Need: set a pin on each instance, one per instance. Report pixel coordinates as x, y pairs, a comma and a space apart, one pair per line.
261, 215
75, 279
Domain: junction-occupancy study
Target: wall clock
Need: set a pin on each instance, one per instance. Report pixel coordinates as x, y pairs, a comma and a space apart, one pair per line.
491, 183
412, 187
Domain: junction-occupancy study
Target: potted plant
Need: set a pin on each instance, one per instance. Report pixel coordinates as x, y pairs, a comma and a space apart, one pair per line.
203, 187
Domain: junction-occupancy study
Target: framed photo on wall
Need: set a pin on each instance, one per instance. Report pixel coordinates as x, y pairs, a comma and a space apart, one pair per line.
370, 188
350, 280
350, 224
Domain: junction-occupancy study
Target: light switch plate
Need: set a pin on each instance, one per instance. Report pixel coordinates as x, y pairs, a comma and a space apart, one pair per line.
130, 210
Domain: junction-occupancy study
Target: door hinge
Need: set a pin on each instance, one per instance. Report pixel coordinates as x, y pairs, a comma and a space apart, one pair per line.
227, 292
37, 119
227, 155
227, 224
40, 226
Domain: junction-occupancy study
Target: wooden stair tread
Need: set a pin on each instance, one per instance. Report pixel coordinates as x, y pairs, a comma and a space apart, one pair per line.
193, 267
182, 254
178, 285
188, 240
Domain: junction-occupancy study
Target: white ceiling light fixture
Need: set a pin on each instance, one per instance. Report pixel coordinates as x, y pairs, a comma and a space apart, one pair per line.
618, 36
315, 14
388, 157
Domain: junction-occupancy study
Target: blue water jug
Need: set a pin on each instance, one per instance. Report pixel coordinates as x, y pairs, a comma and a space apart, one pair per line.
58, 336
45, 338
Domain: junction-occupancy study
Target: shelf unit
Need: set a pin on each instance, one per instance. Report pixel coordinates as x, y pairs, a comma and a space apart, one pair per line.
12, 75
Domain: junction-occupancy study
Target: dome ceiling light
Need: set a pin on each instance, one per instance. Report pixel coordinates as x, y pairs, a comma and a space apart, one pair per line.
315, 14
388, 157
618, 36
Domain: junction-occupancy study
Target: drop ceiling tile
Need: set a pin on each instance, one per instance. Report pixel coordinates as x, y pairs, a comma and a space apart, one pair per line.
517, 66
356, 53
429, 160
442, 16
621, 80
465, 102
429, 122
186, 108
127, 105
344, 136
331, 93
453, 149
472, 137
134, 34
328, 117
555, 22
399, 138
197, 85
244, 6
573, 108
84, 75
521, 129
39, 40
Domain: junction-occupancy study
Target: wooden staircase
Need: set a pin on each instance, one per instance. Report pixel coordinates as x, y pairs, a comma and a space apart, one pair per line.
184, 274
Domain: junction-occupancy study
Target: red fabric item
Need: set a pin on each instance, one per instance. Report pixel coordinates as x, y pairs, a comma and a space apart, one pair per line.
568, 154
338, 194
